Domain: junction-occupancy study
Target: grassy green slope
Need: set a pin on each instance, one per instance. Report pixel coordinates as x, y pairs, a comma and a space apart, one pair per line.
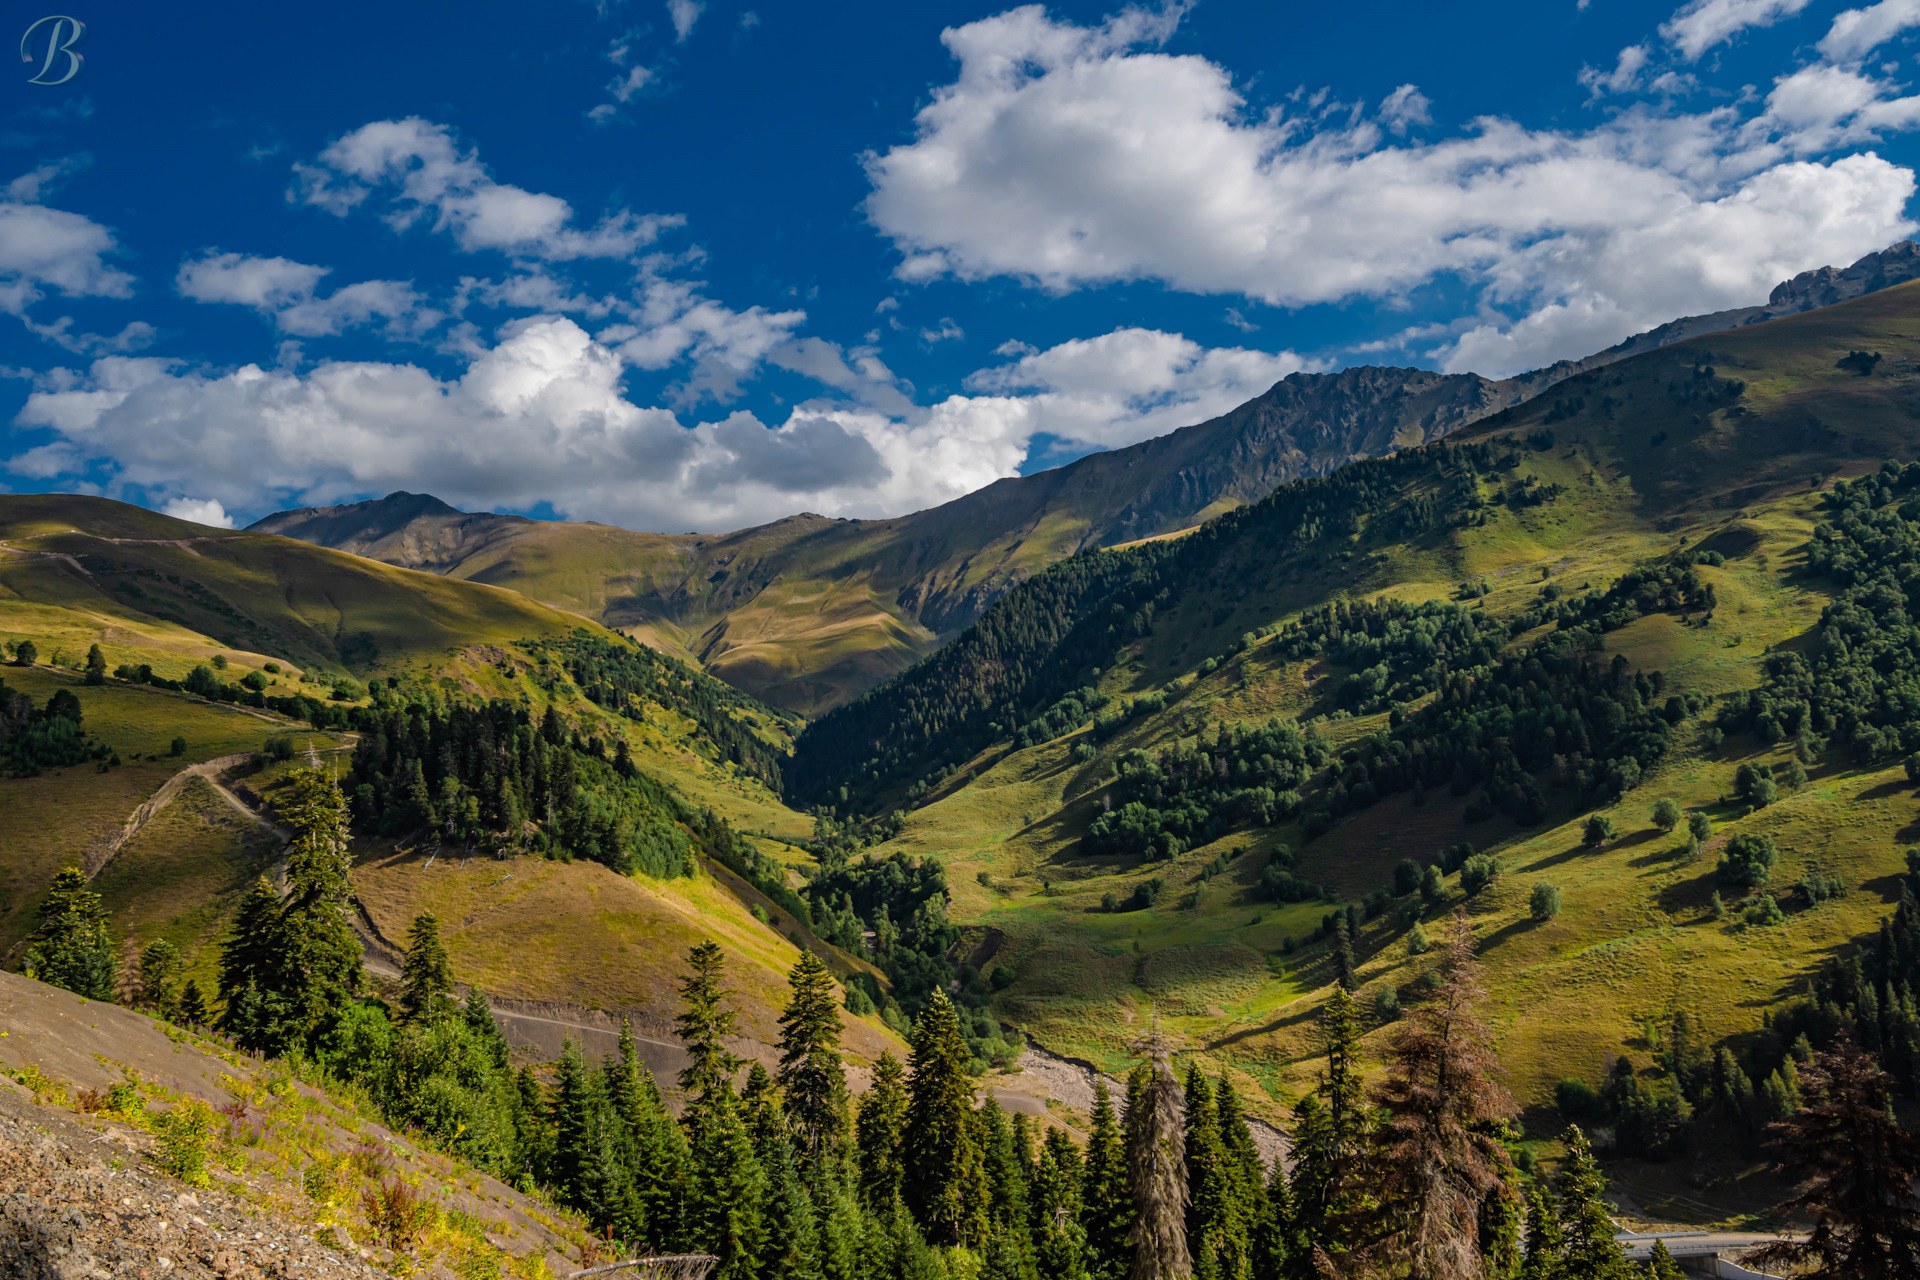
75, 570
1647, 472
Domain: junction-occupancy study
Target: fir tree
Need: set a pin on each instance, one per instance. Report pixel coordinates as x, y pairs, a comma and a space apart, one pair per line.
790, 1235
811, 1076
1435, 1158
1331, 1130
477, 1013
1106, 1209
426, 976
728, 1186
654, 1151
1545, 1242
72, 947
761, 1113
252, 967
1856, 1169
1501, 1216
572, 1111
160, 978
1005, 1163
1247, 1177
1660, 1264
1060, 1244
882, 1125
943, 1177
1278, 1243
1342, 953
193, 1005
1156, 1169
1591, 1252
1211, 1217
705, 1020
843, 1228
322, 970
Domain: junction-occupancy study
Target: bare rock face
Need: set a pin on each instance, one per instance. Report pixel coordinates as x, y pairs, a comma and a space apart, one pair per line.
77, 1204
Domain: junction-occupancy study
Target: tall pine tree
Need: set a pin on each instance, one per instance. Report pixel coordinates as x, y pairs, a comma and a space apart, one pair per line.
322, 973
1332, 1128
943, 1176
1106, 1207
811, 1076
72, 947
882, 1128
705, 1020
426, 976
1590, 1251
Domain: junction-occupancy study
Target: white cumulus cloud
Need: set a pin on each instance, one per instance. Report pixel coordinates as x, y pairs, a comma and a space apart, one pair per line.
423, 170
284, 290
1857, 32
541, 416
1702, 24
1071, 156
199, 510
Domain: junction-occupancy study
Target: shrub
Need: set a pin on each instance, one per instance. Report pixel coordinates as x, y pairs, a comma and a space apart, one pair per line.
25, 654
1386, 1005
1001, 978
179, 747
1109, 902
1817, 887
1577, 1100
1545, 901
1700, 826
1748, 860
1766, 911
1417, 943
183, 1141
1599, 830
1147, 893
1716, 907
1479, 871
1433, 886
859, 1004
1406, 877
1666, 814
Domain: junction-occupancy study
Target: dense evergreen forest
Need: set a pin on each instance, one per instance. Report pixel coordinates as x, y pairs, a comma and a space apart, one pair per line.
625, 678
780, 1174
1046, 637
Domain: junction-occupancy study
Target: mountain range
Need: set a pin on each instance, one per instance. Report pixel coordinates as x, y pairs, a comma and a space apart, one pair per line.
809, 611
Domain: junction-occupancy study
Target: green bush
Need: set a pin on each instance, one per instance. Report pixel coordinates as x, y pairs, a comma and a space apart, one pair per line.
1599, 829
1666, 814
1545, 901
1479, 871
183, 1140
1748, 860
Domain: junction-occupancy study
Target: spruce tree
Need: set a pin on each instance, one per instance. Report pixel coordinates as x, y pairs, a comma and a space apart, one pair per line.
322, 971
790, 1248
705, 1020
160, 978
1156, 1169
477, 1013
426, 976
1546, 1244
1209, 1193
1591, 1251
1502, 1215
1660, 1264
1060, 1243
1856, 1169
1278, 1243
655, 1152
1332, 1128
881, 1128
842, 1227
728, 1187
762, 1114
253, 966
1435, 1159
1106, 1208
1247, 1177
1342, 953
811, 1075
72, 948
943, 1177
193, 1005
1000, 1154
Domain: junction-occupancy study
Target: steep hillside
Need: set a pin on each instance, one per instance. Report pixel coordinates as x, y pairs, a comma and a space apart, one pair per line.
807, 612
1155, 774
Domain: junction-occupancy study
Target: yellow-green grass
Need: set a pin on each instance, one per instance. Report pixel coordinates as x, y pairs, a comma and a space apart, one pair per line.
1631, 942
109, 565
534, 929
52, 821
184, 874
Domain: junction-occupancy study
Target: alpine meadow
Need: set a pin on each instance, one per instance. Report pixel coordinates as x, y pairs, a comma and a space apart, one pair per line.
1370, 731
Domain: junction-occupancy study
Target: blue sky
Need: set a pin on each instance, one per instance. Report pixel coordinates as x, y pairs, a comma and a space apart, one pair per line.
684, 266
